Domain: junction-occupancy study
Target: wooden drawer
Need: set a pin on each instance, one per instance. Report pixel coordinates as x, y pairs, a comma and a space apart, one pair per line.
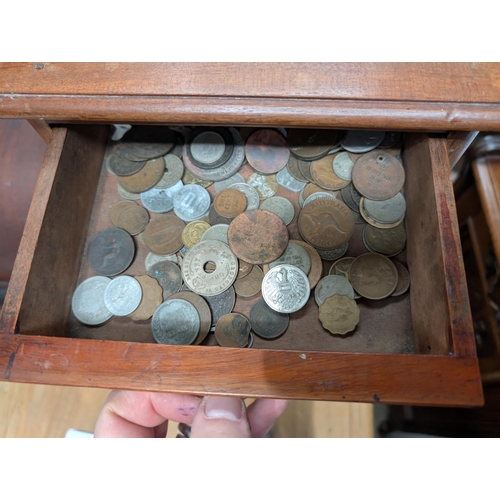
414, 349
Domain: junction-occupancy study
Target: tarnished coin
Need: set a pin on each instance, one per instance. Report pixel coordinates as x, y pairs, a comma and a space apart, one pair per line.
318, 195
334, 253
385, 241
332, 285
283, 178
403, 280
295, 255
215, 219
339, 314
230, 202
309, 190
378, 175
267, 152
373, 222
316, 264
280, 206
387, 211
127, 195
326, 223
324, 176
149, 142
390, 139
221, 304
244, 269
305, 170
88, 304
152, 297
217, 232
174, 170
232, 330
285, 289
119, 164
250, 340
348, 199
234, 179
293, 169
163, 234
123, 295
311, 144
195, 274
265, 185
266, 322
362, 141
129, 216
250, 193
191, 202
373, 276
341, 268
342, 165
145, 179
175, 322
111, 251
210, 147
258, 236
193, 232
189, 178
161, 201
152, 259
251, 284
168, 275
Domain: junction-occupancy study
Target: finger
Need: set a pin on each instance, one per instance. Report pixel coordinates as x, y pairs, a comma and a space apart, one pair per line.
221, 417
262, 414
160, 431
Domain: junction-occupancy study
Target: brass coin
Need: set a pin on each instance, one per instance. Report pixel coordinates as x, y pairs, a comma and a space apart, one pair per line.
152, 297
189, 178
403, 280
378, 175
193, 232
373, 276
311, 144
385, 241
257, 236
251, 284
323, 174
375, 223
266, 322
294, 169
129, 216
339, 314
232, 330
265, 185
111, 251
244, 269
326, 223
168, 275
214, 218
203, 311
230, 202
163, 234
267, 151
341, 268
145, 179
316, 271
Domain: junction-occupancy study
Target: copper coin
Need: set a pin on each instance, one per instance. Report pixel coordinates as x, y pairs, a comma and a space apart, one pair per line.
221, 304
326, 223
121, 162
305, 170
316, 271
385, 241
354, 156
267, 151
323, 174
145, 179
257, 236
230, 202
129, 216
403, 280
251, 284
311, 189
243, 269
373, 276
152, 297
293, 167
168, 276
214, 218
163, 234
232, 330
266, 322
378, 175
203, 311
149, 141
111, 251
312, 144
374, 222
341, 268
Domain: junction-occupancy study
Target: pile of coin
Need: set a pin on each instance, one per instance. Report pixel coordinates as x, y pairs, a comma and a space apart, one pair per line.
249, 213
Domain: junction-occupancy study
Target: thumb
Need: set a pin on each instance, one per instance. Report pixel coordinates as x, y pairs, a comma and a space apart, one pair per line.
221, 417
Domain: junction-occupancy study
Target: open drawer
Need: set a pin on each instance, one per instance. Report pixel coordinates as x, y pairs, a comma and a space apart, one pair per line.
414, 349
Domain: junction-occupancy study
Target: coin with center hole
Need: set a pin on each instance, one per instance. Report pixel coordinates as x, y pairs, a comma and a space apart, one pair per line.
174, 170
267, 151
88, 304
267, 323
232, 330
111, 251
160, 201
175, 322
123, 295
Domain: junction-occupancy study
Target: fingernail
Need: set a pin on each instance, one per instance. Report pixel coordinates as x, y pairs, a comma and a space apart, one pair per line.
224, 408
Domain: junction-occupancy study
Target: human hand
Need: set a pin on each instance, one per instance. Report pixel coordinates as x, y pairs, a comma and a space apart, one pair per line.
146, 414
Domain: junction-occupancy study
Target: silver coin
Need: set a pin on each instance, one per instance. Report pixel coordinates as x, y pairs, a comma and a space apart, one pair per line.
294, 255
250, 193
161, 201
334, 254
153, 259
262, 186
207, 147
348, 199
217, 232
332, 285
336, 149
175, 322
280, 206
285, 288
174, 170
285, 179
387, 211
184, 250
234, 179
88, 301
250, 340
127, 195
301, 199
123, 295
205, 282
191, 202
362, 141
342, 166
320, 194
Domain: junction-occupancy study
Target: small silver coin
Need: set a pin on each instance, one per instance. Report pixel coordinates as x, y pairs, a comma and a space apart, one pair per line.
191, 202
88, 301
153, 259
387, 211
123, 295
332, 285
334, 254
207, 147
362, 141
250, 193
161, 201
342, 166
174, 170
217, 232
127, 195
285, 179
294, 255
285, 288
280, 206
318, 195
175, 322
234, 179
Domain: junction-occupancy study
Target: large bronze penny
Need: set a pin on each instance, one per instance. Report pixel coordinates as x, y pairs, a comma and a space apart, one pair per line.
232, 330
316, 263
267, 151
230, 202
341, 268
152, 297
324, 176
129, 216
168, 275
373, 276
163, 234
258, 236
312, 144
149, 142
121, 162
266, 322
244, 269
403, 280
145, 179
203, 311
378, 175
251, 284
386, 241
111, 251
326, 223
293, 167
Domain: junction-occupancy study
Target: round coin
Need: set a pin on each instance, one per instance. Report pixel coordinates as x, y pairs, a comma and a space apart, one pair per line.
145, 179
217, 232
334, 253
373, 276
305, 170
310, 189
191, 202
311, 144
403, 280
123, 295
387, 211
88, 304
332, 285
163, 234
343, 165
215, 219
174, 170
390, 139
119, 164
324, 176
265, 185
244, 269
149, 142
232, 330
373, 222
267, 323
127, 195
221, 304
341, 268
210, 147
129, 216
318, 195
385, 241
193, 232
280, 206
168, 275
283, 178
295, 255
339, 314
267, 152
316, 264
251, 284
189, 178
175, 322
348, 198
160, 201
250, 193
230, 202
234, 179
293, 169
362, 141
152, 297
